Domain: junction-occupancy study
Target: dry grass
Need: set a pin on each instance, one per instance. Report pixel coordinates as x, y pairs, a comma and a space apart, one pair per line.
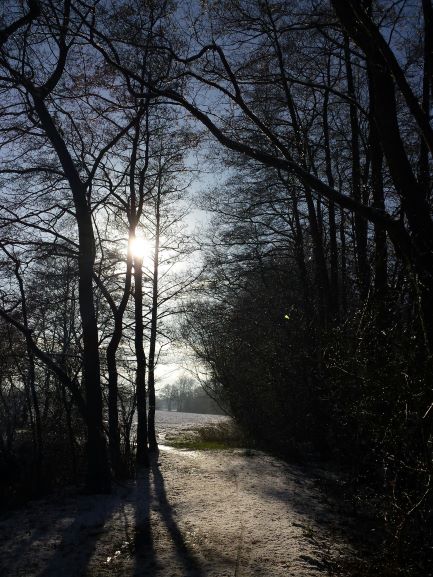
211, 437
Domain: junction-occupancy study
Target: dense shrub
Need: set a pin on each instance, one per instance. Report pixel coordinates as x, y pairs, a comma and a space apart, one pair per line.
354, 393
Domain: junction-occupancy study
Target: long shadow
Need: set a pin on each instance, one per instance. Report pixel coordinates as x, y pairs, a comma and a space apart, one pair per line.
79, 539
145, 558
8, 556
145, 547
308, 497
185, 555
313, 505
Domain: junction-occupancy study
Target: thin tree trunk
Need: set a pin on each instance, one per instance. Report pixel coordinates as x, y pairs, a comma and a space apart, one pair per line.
113, 415
333, 249
35, 402
380, 242
361, 225
323, 297
414, 203
413, 200
117, 462
153, 445
427, 89
142, 455
343, 263
71, 436
300, 257
322, 279
30, 379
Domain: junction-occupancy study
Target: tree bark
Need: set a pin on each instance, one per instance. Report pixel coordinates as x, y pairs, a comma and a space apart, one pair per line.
142, 456
380, 241
361, 226
413, 201
98, 470
153, 444
427, 90
117, 461
333, 248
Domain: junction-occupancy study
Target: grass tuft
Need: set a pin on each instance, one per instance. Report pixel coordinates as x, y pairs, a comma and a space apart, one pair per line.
213, 437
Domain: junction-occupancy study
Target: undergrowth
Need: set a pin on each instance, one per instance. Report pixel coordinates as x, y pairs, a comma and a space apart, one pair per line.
217, 436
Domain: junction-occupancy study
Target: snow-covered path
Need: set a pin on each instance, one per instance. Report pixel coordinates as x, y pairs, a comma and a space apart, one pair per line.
201, 514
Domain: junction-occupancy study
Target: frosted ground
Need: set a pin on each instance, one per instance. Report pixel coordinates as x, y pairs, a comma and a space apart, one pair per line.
194, 514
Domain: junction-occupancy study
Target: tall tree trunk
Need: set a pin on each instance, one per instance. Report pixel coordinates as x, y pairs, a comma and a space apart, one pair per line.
300, 257
142, 456
323, 296
71, 436
31, 379
343, 263
153, 445
361, 225
33, 400
380, 242
427, 90
413, 201
333, 249
136, 207
119, 465
322, 280
113, 414
98, 470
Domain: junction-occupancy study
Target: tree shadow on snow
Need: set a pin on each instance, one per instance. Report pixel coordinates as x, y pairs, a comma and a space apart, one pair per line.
78, 540
146, 546
145, 559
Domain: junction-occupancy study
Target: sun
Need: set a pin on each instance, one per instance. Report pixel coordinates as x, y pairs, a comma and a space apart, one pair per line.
140, 248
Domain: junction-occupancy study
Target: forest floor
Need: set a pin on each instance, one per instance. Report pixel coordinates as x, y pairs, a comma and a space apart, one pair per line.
215, 513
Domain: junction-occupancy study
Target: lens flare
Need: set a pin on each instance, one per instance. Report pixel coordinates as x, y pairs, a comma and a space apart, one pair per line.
140, 248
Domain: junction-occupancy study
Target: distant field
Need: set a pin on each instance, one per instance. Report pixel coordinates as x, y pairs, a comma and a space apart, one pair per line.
175, 418
171, 422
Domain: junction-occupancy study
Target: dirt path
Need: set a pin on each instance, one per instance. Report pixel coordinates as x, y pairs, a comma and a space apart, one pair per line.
201, 514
